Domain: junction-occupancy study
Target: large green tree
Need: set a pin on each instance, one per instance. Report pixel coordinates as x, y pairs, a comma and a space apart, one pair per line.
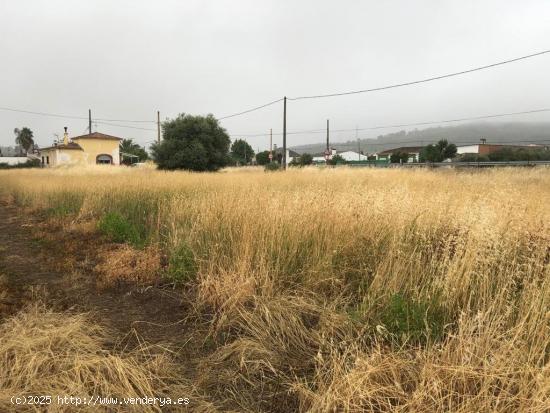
24, 138
128, 146
241, 152
196, 143
439, 152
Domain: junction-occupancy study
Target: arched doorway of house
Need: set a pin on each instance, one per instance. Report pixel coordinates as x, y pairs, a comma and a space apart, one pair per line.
104, 159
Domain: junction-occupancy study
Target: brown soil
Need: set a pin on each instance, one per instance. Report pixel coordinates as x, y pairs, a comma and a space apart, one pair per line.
41, 261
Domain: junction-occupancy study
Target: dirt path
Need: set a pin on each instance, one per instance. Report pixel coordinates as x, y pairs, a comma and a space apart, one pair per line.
30, 269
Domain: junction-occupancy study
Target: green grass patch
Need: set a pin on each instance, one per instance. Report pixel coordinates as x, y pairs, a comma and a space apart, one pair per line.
119, 229
182, 266
415, 321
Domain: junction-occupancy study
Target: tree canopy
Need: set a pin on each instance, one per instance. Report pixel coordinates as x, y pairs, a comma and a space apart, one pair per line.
24, 138
439, 152
399, 157
241, 152
262, 158
128, 146
196, 143
303, 160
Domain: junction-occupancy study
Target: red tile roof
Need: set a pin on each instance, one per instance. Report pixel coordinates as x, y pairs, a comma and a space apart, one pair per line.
97, 135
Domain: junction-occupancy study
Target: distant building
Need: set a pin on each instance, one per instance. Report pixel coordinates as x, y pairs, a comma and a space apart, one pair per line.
349, 156
90, 149
412, 151
487, 148
290, 155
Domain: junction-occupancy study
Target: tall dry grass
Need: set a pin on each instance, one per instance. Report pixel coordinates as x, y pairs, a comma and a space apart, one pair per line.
345, 290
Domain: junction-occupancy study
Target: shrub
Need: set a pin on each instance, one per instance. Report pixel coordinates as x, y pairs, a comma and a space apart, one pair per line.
273, 166
119, 229
337, 160
181, 265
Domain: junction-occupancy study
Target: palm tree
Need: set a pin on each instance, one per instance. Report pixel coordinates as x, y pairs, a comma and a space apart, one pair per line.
127, 146
24, 138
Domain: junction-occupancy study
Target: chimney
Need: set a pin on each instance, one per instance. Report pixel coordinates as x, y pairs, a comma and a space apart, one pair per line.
483, 141
65, 137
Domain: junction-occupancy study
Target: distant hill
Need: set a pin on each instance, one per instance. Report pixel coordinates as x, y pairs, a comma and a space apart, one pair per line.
493, 132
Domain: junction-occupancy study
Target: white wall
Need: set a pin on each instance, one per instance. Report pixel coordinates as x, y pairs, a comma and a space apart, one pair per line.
467, 149
352, 156
13, 160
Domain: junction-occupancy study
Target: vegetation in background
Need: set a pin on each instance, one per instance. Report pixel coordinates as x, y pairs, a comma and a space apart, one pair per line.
241, 152
337, 160
24, 138
472, 157
438, 152
520, 154
128, 146
29, 163
302, 160
262, 158
399, 157
196, 143
272, 166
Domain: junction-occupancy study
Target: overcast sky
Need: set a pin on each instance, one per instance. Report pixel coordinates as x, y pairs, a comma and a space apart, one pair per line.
128, 59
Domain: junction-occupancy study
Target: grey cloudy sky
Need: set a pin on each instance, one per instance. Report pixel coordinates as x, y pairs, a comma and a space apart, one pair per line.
127, 59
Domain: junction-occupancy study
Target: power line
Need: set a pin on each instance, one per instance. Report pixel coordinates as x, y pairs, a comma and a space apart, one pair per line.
123, 126
127, 120
57, 115
42, 113
251, 110
414, 82
313, 131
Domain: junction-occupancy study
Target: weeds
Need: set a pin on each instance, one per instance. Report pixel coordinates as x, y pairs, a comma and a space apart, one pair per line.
182, 267
120, 230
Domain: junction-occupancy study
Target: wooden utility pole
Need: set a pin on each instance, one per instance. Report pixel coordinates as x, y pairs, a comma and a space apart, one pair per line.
328, 143
90, 120
270, 145
327, 150
284, 134
358, 144
158, 126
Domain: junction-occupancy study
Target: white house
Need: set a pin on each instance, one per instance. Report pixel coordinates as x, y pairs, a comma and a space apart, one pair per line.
352, 156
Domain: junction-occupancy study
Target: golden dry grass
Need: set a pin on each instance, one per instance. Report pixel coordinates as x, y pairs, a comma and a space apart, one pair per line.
346, 290
58, 354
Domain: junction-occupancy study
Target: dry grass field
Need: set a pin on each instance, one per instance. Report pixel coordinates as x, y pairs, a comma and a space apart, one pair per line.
316, 290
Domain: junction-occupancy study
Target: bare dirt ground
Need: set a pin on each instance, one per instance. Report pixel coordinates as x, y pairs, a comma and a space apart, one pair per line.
33, 267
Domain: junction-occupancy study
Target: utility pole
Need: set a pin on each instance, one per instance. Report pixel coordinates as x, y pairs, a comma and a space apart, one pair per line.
328, 144
158, 126
270, 145
90, 120
327, 151
358, 144
284, 134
